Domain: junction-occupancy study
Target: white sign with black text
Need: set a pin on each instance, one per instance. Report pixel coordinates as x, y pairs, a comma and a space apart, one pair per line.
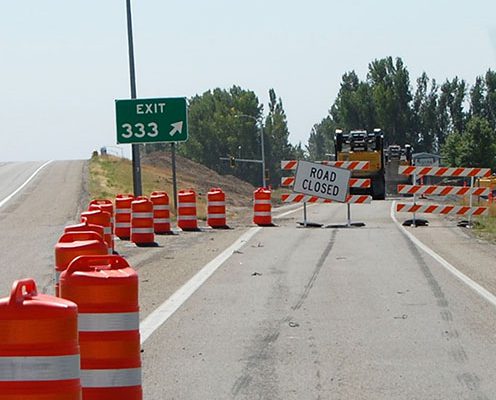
322, 181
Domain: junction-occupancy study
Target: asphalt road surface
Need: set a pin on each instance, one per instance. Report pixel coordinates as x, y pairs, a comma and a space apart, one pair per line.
294, 313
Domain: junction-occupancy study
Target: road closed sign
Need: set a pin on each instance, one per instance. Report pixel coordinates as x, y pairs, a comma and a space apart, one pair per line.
322, 181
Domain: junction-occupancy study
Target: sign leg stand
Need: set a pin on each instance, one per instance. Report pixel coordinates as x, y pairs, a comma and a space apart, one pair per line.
415, 221
468, 223
305, 223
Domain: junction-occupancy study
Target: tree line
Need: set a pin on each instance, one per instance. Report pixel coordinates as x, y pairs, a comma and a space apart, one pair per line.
453, 119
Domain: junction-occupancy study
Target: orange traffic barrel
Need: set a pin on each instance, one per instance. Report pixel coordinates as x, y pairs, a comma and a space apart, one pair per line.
142, 222
75, 244
102, 218
161, 213
216, 208
186, 210
262, 207
85, 226
39, 351
110, 209
123, 216
105, 288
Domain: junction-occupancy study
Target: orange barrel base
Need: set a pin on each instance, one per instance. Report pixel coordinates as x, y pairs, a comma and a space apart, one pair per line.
65, 390
186, 210
105, 288
39, 351
262, 207
216, 209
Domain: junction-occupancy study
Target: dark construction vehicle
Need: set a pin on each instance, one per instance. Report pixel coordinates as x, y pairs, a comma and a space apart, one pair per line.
360, 145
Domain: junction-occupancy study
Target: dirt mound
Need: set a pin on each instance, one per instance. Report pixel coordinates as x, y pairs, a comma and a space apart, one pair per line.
194, 175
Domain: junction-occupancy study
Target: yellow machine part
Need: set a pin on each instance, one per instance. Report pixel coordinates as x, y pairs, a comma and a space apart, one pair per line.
489, 182
374, 157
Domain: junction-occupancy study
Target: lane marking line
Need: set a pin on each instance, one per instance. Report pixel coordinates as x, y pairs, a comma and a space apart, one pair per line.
484, 293
163, 312
5, 200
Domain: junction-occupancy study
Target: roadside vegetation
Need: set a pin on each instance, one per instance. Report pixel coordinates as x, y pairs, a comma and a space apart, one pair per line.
110, 175
485, 227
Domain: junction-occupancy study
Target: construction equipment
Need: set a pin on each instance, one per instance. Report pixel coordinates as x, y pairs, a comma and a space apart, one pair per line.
397, 156
396, 152
360, 145
488, 182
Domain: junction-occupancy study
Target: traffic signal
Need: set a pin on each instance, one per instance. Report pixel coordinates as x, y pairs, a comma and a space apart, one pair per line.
232, 161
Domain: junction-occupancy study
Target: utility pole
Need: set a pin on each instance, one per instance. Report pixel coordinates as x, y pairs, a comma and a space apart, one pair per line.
132, 76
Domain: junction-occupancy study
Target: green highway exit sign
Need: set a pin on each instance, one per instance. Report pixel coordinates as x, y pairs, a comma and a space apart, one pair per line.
151, 120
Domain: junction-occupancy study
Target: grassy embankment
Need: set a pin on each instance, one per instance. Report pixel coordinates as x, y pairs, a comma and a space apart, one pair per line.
111, 175
485, 227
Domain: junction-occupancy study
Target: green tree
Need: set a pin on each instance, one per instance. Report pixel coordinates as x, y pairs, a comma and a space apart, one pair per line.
321, 140
481, 143
353, 107
277, 146
451, 115
424, 115
390, 85
216, 129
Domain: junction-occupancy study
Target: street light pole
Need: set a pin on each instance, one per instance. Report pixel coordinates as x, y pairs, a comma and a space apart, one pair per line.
132, 77
264, 183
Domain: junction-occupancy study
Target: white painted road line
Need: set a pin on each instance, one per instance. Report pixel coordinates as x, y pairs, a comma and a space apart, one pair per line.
484, 293
162, 313
4, 201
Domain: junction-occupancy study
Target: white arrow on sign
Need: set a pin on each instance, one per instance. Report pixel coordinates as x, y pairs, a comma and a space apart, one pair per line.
176, 127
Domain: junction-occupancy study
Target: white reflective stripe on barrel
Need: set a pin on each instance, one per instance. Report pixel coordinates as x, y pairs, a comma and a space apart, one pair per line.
161, 207
186, 217
262, 201
98, 378
262, 214
107, 230
212, 216
47, 368
186, 205
161, 220
141, 230
123, 225
107, 322
123, 211
216, 203
142, 215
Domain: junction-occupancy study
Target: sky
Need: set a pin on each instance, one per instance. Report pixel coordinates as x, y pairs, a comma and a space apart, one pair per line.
63, 63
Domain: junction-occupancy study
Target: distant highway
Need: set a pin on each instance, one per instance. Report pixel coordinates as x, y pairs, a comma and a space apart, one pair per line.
33, 219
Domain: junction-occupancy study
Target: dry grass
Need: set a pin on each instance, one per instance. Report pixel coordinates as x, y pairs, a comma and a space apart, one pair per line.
111, 175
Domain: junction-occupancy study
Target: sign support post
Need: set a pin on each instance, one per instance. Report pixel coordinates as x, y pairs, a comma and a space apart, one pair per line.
132, 76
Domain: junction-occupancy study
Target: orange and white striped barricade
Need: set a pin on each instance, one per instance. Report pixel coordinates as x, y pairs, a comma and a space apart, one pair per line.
424, 190
360, 183
74, 244
186, 210
161, 213
262, 207
142, 222
109, 208
291, 165
350, 199
39, 350
122, 227
99, 217
216, 209
105, 288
